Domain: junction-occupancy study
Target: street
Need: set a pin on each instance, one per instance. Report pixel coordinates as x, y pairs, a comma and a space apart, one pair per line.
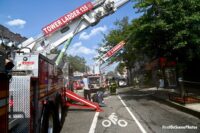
130, 111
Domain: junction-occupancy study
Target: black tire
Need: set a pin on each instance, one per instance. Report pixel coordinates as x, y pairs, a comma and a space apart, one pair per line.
60, 112
49, 123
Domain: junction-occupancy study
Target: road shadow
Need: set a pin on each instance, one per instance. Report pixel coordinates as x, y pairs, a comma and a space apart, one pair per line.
142, 95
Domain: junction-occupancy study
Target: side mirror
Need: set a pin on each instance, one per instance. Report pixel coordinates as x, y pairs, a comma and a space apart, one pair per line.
9, 65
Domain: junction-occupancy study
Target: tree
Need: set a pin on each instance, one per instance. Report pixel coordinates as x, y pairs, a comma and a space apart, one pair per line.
120, 68
114, 37
171, 29
78, 63
166, 28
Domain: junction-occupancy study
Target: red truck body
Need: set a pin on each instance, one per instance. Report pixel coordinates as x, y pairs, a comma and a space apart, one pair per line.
37, 95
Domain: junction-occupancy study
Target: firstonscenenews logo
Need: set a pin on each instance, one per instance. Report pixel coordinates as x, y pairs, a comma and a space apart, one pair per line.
179, 127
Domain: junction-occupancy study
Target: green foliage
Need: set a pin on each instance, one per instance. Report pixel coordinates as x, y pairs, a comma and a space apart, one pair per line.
115, 35
166, 28
120, 68
78, 63
170, 28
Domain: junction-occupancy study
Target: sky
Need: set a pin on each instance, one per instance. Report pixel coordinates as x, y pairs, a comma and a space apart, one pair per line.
27, 17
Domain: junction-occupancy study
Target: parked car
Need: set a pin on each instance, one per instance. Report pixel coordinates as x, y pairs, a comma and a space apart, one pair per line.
122, 82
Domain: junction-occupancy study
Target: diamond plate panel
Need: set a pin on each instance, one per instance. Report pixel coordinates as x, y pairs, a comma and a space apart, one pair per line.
20, 91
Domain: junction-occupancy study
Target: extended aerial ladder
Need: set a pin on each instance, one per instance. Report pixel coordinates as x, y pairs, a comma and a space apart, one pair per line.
109, 57
63, 29
66, 27
110, 53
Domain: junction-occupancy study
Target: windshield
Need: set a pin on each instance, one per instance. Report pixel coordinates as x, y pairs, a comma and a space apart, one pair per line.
94, 80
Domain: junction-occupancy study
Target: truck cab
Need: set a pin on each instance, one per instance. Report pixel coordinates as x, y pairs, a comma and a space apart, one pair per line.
95, 82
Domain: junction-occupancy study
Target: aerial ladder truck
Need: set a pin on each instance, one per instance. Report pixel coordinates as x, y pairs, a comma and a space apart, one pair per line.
37, 92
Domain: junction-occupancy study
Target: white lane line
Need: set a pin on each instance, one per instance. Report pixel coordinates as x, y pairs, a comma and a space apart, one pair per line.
94, 123
134, 118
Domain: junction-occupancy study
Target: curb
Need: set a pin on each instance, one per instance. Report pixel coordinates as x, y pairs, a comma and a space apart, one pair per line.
179, 107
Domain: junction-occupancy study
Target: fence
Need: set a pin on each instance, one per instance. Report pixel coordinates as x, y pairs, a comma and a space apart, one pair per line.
189, 92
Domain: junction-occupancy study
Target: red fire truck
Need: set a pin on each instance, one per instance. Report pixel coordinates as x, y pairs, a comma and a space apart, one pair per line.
95, 82
37, 102
37, 87
4, 92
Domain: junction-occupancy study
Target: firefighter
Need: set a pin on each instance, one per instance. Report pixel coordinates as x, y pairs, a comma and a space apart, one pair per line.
86, 88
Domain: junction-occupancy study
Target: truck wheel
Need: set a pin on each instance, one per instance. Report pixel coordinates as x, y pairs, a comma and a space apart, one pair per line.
61, 112
49, 121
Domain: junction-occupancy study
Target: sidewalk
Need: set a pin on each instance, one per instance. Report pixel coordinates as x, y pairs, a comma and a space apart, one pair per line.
162, 94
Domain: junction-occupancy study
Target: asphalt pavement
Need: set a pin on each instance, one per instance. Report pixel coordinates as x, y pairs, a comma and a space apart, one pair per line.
157, 117
131, 111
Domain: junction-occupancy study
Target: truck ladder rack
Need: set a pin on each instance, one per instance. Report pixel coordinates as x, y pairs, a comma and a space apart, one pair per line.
81, 102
